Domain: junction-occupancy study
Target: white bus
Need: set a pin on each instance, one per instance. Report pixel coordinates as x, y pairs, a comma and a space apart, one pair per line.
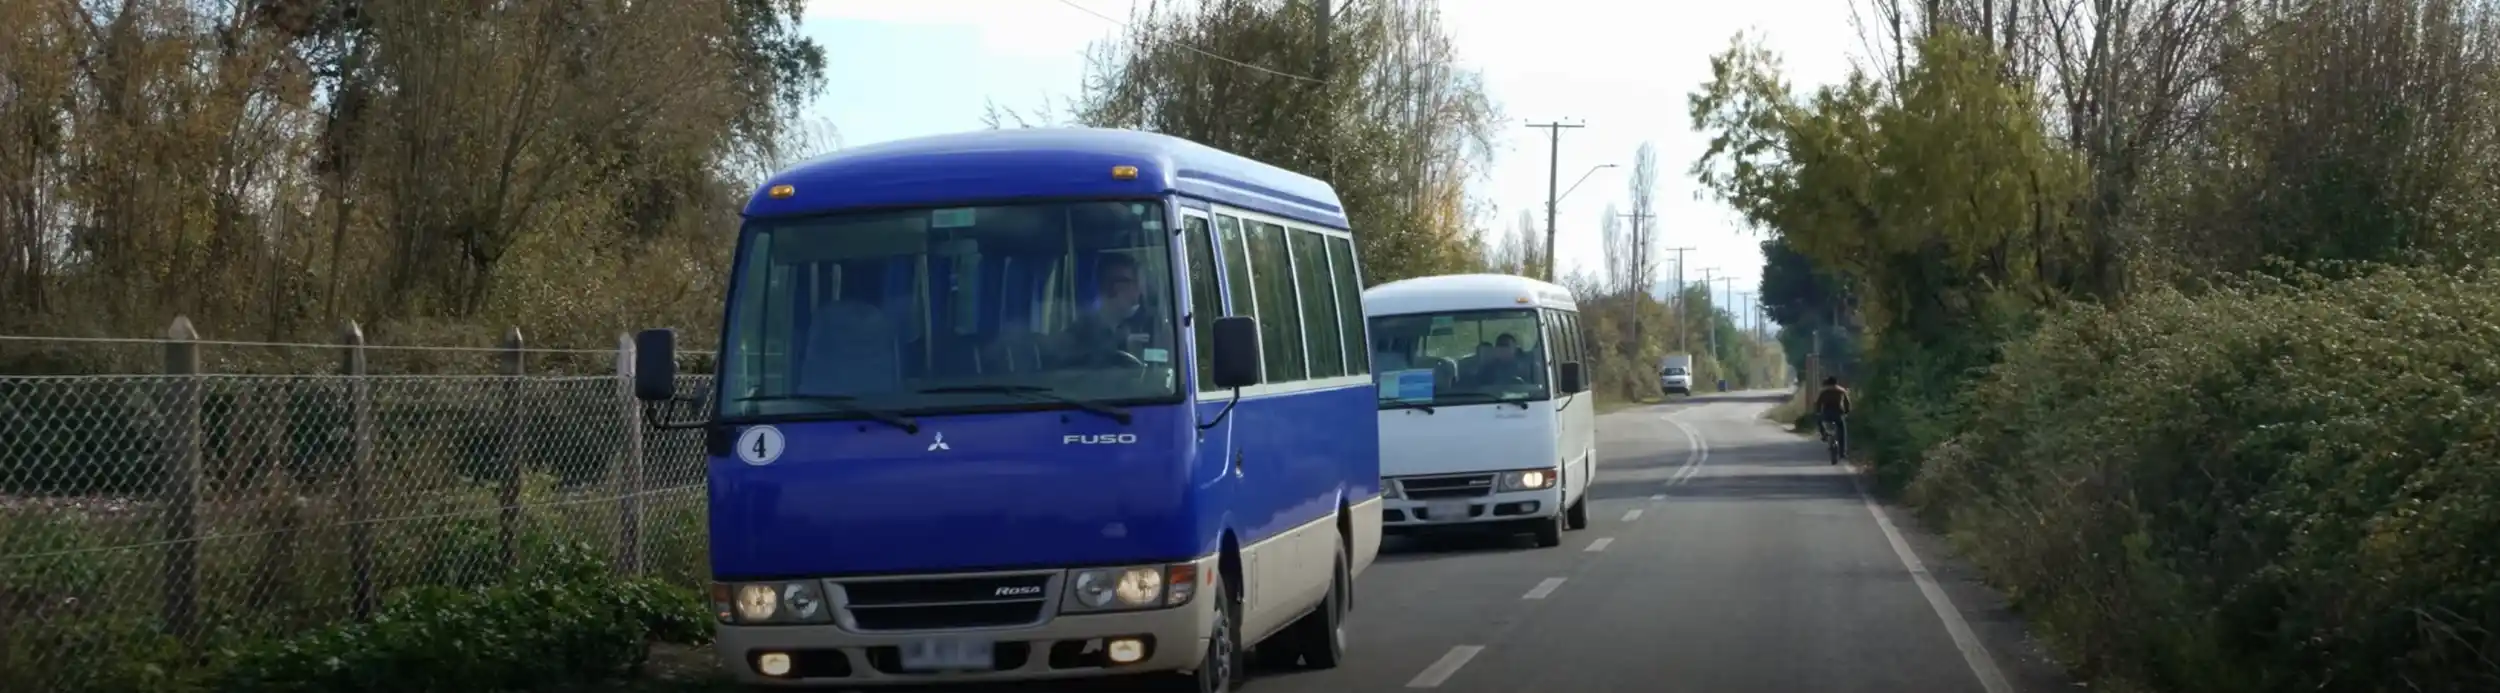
1486, 422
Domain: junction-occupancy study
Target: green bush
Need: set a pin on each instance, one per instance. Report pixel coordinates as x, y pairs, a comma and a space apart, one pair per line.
567, 621
2283, 486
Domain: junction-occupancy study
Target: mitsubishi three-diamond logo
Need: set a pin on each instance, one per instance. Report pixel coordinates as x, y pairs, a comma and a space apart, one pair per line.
940, 444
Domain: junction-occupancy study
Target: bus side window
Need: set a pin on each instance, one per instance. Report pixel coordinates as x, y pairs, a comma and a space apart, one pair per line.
1319, 303
1349, 304
1280, 320
1206, 300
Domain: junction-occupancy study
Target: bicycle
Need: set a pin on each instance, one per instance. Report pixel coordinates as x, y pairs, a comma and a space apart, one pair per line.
1831, 440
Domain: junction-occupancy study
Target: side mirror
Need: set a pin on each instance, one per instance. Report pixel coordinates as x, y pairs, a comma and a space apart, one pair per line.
1568, 378
1235, 351
655, 365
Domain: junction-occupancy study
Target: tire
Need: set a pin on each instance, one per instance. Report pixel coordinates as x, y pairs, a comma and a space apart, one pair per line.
1549, 531
1317, 641
1577, 517
1221, 666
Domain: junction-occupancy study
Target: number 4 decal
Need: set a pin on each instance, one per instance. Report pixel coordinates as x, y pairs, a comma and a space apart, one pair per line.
760, 445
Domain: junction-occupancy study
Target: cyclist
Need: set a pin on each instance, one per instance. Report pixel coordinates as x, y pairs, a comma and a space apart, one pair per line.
1832, 404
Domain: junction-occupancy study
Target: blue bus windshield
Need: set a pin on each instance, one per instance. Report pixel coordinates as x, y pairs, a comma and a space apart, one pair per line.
951, 309
1454, 358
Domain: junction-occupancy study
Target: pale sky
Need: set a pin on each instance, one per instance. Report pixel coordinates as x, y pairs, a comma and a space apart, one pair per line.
903, 68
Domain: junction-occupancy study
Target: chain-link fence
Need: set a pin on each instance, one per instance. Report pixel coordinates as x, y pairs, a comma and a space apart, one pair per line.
185, 508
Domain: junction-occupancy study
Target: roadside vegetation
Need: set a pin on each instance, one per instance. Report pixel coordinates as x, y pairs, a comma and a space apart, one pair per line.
2175, 315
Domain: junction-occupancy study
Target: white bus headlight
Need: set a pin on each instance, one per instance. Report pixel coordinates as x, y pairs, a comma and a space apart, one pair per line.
1528, 480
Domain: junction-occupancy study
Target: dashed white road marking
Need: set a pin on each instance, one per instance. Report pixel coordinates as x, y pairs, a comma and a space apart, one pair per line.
1635, 513
1543, 589
1658, 496
1600, 544
1974, 653
1441, 670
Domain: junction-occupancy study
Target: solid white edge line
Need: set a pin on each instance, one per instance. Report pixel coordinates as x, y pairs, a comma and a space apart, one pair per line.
1633, 514
1974, 653
1599, 545
1441, 670
1544, 589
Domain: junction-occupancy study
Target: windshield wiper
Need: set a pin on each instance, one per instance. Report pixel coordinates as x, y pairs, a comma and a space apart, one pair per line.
1492, 397
1036, 392
1394, 404
842, 403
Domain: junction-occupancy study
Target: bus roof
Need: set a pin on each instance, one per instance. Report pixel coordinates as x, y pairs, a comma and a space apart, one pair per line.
992, 166
1455, 292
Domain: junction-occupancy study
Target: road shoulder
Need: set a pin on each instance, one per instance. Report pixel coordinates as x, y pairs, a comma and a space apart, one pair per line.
2022, 658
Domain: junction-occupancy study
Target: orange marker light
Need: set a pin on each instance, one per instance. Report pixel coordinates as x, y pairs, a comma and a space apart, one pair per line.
1124, 173
782, 192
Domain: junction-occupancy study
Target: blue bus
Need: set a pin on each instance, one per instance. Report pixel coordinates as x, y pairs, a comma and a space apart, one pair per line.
950, 438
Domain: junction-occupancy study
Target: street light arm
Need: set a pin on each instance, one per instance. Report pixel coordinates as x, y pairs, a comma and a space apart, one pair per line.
1575, 185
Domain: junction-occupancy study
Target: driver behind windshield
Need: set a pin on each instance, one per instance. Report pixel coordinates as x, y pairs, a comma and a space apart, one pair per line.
1501, 366
1119, 321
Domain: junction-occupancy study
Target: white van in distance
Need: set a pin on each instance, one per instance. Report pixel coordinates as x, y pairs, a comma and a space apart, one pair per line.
1485, 418
1675, 377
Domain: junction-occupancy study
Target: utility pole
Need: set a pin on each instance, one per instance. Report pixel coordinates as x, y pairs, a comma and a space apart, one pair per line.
1683, 327
1710, 318
1553, 186
1319, 87
1730, 283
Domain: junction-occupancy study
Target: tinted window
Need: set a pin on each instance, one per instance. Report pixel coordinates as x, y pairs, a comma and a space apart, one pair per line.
882, 308
1206, 302
1349, 304
1280, 320
1464, 357
1319, 303
1236, 266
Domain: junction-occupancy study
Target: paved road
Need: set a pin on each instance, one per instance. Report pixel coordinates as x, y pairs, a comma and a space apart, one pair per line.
1723, 556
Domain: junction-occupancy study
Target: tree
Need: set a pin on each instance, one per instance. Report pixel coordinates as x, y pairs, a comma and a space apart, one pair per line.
1641, 253
1377, 106
269, 168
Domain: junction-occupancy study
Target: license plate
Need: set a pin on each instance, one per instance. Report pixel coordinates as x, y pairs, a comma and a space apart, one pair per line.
1446, 512
948, 654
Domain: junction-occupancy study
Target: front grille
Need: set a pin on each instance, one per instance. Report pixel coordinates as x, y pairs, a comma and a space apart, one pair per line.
1460, 486
931, 603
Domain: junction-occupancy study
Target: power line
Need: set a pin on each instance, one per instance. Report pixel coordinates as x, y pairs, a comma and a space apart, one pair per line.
1184, 46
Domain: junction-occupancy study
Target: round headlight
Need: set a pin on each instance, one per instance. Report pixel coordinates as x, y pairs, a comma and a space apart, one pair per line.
1094, 588
1532, 479
757, 602
1140, 586
802, 600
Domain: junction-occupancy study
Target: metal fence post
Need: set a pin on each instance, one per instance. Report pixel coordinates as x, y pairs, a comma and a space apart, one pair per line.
181, 488
629, 472
360, 430
515, 363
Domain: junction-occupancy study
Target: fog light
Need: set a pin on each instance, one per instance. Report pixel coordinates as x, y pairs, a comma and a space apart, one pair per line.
773, 664
1127, 651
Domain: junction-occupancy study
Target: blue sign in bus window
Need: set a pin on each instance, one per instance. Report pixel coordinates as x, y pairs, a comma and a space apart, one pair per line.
1411, 385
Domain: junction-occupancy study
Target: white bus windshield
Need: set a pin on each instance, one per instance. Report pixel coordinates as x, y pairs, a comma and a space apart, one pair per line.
930, 310
1457, 358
